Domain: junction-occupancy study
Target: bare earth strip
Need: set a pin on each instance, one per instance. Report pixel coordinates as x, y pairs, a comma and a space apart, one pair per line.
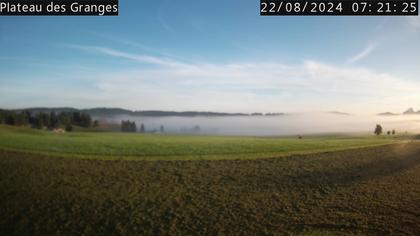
373, 191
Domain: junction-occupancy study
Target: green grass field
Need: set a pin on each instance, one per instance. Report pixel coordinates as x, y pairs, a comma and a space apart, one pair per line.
78, 184
174, 147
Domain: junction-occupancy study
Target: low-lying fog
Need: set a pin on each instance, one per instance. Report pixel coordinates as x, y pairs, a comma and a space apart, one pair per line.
291, 124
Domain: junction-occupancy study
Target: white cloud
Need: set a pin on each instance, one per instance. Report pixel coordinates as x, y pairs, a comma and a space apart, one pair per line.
242, 87
363, 54
261, 86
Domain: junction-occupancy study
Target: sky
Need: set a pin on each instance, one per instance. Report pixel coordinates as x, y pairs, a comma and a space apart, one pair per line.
210, 56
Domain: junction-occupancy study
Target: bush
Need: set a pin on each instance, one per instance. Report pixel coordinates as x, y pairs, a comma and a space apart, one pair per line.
69, 128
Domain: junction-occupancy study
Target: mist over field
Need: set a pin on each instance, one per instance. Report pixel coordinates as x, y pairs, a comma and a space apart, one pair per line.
290, 124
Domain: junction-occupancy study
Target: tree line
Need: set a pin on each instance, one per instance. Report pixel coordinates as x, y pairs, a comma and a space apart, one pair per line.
130, 126
50, 120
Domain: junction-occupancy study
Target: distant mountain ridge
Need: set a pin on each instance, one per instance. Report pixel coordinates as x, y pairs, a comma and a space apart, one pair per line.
409, 111
338, 113
388, 114
101, 112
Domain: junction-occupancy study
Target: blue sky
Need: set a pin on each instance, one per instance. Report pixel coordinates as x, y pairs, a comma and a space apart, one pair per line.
210, 55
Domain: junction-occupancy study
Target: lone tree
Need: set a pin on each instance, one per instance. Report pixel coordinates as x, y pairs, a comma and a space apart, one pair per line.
393, 132
388, 133
378, 130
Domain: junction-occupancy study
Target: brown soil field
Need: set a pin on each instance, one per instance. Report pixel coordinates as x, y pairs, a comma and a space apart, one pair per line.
368, 191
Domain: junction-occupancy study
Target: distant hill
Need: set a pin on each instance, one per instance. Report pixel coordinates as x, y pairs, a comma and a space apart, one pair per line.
185, 113
338, 113
388, 114
411, 111
48, 110
274, 114
106, 112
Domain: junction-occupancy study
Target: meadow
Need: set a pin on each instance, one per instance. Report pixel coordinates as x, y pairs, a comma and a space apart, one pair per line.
135, 146
326, 185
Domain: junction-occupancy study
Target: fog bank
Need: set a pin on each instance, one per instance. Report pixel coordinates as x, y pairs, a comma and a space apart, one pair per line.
292, 124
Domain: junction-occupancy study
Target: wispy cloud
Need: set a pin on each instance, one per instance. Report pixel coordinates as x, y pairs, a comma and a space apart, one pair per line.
134, 57
363, 54
139, 45
254, 86
165, 24
258, 86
